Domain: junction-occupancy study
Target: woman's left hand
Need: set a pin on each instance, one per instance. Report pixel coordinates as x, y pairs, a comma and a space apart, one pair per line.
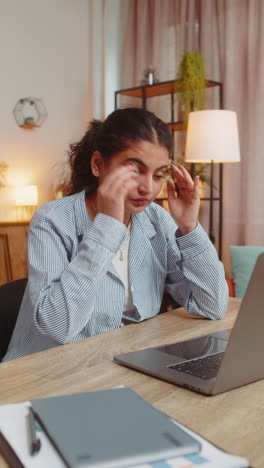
184, 204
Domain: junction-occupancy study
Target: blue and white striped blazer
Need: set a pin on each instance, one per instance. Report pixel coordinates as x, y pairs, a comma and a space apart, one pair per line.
75, 292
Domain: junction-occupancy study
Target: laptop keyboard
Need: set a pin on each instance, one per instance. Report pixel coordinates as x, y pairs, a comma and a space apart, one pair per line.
205, 368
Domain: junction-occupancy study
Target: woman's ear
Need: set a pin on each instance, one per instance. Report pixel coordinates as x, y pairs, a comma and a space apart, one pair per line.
97, 163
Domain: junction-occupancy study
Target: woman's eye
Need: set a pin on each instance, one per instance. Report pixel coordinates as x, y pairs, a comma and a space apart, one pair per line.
159, 176
134, 166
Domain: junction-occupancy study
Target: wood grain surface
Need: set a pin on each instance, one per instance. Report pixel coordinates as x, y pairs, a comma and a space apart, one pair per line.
233, 420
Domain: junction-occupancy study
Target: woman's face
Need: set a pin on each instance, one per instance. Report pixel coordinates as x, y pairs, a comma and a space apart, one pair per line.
151, 162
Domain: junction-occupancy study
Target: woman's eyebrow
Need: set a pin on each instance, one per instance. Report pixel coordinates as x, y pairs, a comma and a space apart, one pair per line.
141, 163
138, 161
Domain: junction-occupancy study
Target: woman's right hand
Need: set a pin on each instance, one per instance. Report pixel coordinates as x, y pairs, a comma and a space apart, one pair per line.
113, 191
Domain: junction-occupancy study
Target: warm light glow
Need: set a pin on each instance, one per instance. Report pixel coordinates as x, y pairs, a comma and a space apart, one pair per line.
16, 178
26, 195
212, 135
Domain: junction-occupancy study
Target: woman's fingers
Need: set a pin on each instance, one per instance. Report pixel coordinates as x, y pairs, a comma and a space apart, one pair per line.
119, 180
171, 188
112, 191
196, 185
182, 177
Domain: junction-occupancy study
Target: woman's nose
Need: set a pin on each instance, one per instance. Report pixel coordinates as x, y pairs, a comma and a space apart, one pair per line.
145, 185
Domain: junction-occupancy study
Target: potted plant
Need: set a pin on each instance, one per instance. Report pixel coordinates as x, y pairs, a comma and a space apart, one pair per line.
191, 96
190, 83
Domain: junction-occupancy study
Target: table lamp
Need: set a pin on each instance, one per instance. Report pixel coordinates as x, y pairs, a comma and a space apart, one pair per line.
26, 200
212, 137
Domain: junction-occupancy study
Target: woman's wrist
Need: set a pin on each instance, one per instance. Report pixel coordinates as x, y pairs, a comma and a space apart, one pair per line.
186, 229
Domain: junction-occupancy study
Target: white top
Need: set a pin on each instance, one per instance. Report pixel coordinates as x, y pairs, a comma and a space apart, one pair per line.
120, 262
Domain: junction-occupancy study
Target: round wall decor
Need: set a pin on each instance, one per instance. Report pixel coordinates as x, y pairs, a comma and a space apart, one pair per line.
30, 112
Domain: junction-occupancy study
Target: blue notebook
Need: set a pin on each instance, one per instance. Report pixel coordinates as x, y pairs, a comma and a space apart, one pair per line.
110, 429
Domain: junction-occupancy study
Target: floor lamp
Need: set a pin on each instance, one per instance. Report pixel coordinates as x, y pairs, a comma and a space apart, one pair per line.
212, 137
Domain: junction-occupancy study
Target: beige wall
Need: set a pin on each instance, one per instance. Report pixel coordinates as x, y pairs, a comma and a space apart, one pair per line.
44, 54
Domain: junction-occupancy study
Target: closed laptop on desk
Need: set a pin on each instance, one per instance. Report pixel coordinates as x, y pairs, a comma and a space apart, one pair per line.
110, 429
213, 363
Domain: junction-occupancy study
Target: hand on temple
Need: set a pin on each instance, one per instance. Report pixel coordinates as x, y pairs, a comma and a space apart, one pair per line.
183, 198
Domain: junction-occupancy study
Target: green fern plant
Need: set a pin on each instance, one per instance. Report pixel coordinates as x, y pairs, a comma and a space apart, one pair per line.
190, 86
190, 83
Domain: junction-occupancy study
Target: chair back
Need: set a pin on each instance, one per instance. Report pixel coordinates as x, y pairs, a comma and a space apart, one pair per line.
11, 295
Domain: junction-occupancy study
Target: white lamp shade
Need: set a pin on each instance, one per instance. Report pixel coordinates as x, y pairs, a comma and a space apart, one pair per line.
212, 135
26, 195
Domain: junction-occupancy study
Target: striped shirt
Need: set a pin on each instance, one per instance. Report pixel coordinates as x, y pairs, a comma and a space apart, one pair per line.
74, 290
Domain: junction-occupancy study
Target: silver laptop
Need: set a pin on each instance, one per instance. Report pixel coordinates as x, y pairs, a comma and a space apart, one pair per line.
218, 362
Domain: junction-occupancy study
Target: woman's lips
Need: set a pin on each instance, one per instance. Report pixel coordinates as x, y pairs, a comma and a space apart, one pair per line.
140, 201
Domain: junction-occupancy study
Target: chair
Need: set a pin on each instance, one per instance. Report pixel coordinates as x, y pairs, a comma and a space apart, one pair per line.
11, 295
168, 303
243, 260
231, 286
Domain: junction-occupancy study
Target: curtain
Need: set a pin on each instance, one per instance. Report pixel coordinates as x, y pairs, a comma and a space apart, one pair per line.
104, 49
157, 33
232, 41
228, 33
151, 29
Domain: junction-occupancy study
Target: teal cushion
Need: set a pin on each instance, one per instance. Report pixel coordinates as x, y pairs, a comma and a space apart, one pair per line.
243, 259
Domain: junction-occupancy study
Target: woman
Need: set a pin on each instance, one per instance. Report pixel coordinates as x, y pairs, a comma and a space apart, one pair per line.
105, 253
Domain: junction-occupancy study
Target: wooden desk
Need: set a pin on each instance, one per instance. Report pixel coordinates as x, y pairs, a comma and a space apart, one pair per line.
233, 420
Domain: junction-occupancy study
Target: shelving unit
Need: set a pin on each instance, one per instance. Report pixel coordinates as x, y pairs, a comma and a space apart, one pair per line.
146, 92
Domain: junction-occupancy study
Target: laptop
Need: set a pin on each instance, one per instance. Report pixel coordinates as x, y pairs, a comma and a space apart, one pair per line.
110, 429
217, 362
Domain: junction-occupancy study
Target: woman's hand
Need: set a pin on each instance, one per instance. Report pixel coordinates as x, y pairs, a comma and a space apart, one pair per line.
112, 192
184, 204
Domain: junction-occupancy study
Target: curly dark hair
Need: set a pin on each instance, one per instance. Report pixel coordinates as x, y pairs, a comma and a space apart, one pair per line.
115, 134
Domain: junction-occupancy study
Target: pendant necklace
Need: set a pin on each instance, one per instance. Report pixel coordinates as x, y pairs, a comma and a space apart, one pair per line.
124, 245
